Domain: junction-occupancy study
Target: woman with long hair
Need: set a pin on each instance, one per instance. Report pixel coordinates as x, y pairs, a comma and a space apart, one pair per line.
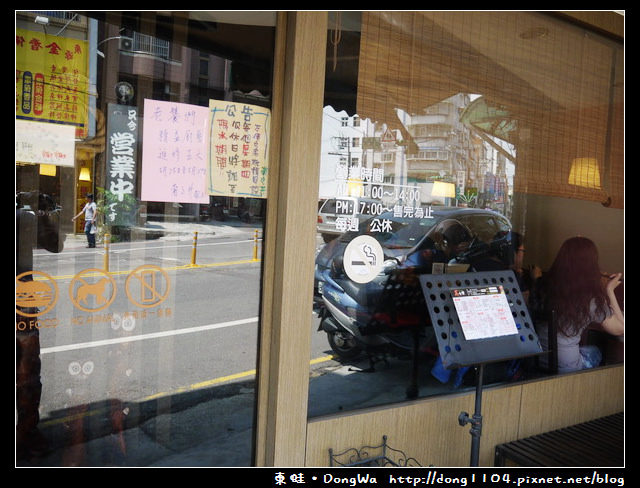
573, 288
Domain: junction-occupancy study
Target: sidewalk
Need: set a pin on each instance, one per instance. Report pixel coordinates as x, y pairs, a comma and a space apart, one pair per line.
213, 427
164, 230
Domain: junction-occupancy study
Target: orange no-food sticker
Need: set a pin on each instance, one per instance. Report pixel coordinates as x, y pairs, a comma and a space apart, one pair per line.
35, 296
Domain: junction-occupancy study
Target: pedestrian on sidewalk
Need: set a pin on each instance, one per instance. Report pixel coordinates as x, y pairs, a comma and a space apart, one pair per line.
90, 211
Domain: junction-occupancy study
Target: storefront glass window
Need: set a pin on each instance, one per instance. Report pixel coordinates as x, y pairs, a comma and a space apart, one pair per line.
141, 181
447, 136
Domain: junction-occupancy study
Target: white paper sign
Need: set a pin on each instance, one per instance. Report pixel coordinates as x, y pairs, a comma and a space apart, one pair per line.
44, 143
484, 312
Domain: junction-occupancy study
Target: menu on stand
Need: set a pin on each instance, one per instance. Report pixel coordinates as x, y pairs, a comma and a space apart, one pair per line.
483, 312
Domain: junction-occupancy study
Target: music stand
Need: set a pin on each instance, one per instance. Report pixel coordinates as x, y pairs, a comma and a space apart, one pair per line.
478, 318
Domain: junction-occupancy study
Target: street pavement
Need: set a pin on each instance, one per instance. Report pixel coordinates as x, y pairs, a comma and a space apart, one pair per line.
173, 231
211, 427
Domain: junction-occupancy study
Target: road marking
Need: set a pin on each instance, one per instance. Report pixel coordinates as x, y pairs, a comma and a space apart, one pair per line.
133, 248
321, 359
142, 337
221, 379
172, 268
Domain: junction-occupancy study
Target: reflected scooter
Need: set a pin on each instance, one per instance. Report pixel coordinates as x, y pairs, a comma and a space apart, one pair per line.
386, 317
366, 318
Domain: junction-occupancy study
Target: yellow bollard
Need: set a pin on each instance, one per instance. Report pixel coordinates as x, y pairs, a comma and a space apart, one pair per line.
255, 246
193, 249
107, 238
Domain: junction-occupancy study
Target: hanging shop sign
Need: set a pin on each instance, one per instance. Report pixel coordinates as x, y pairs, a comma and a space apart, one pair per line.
122, 151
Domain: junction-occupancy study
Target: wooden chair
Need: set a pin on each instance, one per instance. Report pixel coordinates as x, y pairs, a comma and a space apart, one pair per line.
548, 317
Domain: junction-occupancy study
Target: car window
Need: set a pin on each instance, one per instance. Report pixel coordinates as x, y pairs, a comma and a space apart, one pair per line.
491, 233
393, 232
503, 226
483, 227
329, 206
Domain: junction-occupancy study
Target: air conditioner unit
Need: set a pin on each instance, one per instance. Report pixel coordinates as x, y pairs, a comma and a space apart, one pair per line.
126, 43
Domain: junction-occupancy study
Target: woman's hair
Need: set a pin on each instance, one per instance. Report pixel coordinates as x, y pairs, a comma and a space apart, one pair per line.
574, 281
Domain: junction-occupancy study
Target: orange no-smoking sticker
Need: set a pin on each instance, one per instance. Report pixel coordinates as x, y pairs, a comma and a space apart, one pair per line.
147, 286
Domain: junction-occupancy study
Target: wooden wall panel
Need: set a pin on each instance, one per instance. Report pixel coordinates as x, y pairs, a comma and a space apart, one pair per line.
570, 399
428, 429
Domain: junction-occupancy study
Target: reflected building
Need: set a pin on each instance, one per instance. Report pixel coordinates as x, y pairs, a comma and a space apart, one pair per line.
432, 158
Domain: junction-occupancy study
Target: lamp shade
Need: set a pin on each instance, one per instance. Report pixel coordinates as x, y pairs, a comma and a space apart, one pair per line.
84, 174
585, 172
442, 189
48, 169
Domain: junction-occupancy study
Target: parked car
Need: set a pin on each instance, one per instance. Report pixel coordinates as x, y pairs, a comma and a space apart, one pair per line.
450, 237
338, 215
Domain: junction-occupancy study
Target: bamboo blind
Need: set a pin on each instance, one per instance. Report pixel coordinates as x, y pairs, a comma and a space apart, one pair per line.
561, 84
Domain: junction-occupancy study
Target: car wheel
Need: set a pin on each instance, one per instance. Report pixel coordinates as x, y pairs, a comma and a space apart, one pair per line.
344, 345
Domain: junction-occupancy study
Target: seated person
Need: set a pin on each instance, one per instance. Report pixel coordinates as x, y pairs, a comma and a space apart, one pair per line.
524, 276
573, 289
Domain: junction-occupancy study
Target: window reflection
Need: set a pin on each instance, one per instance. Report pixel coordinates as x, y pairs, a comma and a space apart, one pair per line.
435, 115
161, 317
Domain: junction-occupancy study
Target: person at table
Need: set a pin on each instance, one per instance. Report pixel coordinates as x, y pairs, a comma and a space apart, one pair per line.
573, 288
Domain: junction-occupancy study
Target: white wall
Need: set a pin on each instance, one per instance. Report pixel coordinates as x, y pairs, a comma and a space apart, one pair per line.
547, 221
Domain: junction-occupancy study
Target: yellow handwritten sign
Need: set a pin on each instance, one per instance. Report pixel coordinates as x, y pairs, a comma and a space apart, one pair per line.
238, 149
52, 83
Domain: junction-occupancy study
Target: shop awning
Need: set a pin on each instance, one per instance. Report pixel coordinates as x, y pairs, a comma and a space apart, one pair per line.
494, 121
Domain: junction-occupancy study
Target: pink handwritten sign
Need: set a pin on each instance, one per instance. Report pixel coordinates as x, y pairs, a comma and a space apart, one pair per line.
175, 152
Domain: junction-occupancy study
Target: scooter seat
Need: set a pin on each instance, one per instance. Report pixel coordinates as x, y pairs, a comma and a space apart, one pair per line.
366, 294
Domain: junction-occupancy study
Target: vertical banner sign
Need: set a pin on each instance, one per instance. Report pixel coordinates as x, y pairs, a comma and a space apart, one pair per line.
122, 151
174, 156
238, 162
52, 80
